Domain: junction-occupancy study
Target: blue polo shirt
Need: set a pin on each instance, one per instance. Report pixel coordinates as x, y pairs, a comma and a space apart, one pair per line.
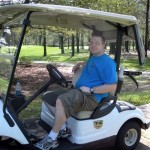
99, 70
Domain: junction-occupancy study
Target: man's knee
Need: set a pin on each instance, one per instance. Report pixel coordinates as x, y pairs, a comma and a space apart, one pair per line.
59, 103
60, 107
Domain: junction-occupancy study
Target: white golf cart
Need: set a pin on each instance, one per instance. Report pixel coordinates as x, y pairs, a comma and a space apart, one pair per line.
112, 123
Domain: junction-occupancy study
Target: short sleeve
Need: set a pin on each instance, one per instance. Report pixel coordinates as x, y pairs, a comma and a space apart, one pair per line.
109, 74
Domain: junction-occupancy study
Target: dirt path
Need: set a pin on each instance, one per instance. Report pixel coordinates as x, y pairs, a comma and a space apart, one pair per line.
145, 139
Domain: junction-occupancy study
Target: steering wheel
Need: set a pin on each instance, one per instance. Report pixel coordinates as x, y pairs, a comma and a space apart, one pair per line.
56, 75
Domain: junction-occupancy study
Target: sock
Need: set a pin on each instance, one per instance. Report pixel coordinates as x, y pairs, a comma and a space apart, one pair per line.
53, 135
63, 127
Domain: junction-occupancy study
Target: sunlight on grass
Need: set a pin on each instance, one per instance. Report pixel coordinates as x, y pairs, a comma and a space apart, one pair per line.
33, 110
138, 98
134, 64
35, 53
3, 85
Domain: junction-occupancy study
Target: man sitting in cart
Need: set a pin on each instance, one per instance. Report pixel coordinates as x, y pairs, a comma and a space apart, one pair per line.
98, 78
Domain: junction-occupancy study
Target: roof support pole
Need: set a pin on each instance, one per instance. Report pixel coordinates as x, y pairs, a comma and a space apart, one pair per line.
26, 23
147, 32
118, 46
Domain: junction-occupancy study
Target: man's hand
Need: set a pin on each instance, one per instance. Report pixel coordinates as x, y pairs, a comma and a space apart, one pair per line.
85, 89
77, 66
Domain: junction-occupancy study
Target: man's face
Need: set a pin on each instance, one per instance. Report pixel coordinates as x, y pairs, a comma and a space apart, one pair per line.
96, 46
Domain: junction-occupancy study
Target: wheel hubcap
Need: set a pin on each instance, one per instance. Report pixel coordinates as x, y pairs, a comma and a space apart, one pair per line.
131, 137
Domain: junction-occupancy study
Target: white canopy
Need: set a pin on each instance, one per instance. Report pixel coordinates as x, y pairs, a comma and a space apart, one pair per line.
67, 16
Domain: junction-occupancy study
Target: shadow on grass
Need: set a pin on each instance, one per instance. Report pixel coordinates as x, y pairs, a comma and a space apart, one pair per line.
59, 58
134, 64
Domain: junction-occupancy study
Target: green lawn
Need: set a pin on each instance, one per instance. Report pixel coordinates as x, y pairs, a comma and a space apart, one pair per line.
132, 63
33, 110
35, 53
3, 85
138, 98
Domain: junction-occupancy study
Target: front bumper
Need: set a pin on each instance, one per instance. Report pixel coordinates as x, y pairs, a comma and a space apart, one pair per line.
147, 125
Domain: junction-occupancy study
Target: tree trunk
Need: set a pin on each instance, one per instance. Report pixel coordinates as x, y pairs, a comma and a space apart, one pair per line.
40, 39
148, 44
72, 45
82, 41
112, 48
68, 42
77, 39
44, 42
61, 38
127, 46
133, 45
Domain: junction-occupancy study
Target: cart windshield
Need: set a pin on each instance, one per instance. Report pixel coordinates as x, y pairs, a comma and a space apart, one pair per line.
8, 49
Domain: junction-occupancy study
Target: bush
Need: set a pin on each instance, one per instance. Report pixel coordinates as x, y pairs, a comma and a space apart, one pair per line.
25, 61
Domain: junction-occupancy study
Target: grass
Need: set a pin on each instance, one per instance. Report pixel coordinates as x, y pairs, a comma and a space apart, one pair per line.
3, 85
33, 110
35, 53
137, 99
133, 64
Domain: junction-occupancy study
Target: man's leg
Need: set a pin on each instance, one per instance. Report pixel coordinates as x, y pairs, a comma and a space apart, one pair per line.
50, 141
59, 120
50, 98
60, 116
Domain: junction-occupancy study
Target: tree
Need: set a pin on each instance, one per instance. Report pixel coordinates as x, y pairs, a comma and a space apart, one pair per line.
82, 40
77, 41
44, 42
61, 37
127, 46
112, 48
134, 7
72, 45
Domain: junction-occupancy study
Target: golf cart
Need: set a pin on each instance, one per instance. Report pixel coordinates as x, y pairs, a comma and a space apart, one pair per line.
113, 122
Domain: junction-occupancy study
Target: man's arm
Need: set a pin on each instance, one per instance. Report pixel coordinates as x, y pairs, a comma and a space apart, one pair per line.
77, 66
100, 89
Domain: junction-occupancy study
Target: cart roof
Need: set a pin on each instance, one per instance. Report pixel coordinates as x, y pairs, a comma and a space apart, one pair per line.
65, 16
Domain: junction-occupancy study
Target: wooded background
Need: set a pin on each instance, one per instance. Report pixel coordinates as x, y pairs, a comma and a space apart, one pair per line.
52, 36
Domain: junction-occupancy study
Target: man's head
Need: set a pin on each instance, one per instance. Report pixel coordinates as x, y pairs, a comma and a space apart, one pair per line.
97, 43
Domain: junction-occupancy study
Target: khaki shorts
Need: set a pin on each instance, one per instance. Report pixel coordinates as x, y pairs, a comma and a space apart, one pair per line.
73, 100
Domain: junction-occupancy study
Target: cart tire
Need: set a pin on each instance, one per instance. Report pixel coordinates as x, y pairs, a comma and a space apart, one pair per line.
9, 141
129, 136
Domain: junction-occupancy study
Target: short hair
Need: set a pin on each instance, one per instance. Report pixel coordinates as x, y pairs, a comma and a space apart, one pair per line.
99, 34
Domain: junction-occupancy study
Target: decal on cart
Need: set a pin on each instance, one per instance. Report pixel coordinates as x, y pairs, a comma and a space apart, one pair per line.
98, 124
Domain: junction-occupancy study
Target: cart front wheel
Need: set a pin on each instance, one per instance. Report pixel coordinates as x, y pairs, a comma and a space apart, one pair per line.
129, 136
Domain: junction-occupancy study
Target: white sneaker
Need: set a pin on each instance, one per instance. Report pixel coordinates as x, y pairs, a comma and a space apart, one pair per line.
64, 133
47, 143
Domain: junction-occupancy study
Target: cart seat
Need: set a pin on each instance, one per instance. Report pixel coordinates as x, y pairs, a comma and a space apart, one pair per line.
87, 114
